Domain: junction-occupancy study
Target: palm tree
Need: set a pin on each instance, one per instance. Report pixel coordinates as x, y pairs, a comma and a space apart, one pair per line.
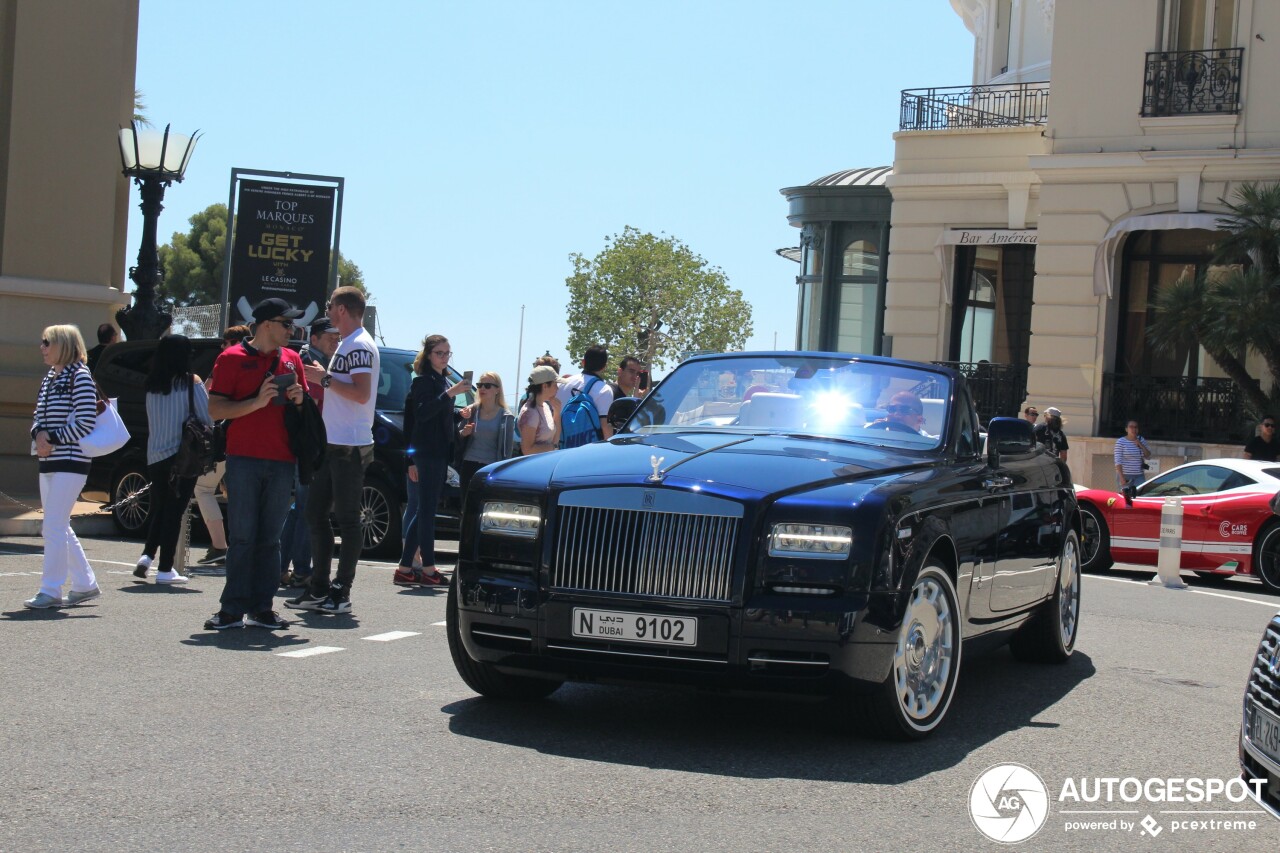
139, 107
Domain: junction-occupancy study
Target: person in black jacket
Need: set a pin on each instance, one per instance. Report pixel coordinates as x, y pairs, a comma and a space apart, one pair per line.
430, 449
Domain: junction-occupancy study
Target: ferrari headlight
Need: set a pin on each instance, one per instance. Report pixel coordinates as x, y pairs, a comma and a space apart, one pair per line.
503, 518
810, 541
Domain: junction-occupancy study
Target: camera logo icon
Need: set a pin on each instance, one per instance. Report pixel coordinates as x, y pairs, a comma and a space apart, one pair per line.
1009, 803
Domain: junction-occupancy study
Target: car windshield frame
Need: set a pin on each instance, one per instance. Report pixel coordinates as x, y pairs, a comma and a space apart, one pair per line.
810, 395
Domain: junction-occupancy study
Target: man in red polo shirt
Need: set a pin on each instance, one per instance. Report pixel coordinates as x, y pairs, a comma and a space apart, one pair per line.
244, 389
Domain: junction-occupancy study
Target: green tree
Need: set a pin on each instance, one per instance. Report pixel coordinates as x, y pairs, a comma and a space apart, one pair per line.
1234, 309
194, 262
654, 297
140, 109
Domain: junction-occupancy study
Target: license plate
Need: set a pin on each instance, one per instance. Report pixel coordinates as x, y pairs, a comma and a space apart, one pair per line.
1264, 731
635, 627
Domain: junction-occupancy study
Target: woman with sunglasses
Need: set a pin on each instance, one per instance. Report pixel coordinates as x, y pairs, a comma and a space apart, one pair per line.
540, 415
430, 451
66, 411
489, 431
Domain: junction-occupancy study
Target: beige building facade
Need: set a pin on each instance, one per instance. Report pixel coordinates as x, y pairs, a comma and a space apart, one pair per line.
66, 87
1037, 211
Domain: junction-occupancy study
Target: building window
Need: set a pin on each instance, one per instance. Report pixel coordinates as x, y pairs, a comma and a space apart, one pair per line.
859, 311
991, 305
1199, 24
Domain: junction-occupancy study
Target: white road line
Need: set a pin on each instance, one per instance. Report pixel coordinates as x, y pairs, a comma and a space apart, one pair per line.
391, 635
438, 624
308, 652
1272, 604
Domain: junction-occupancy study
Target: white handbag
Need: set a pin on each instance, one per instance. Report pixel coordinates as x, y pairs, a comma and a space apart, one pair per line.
109, 432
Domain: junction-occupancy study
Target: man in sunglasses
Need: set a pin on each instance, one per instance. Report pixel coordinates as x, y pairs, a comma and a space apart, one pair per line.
1030, 414
1264, 446
905, 413
251, 384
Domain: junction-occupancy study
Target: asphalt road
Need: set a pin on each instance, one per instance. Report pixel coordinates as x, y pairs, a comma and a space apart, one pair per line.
129, 727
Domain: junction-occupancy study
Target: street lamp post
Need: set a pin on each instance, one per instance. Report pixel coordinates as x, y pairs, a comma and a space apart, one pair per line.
154, 160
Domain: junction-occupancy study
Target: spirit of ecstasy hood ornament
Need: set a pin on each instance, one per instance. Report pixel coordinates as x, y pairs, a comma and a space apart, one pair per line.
656, 462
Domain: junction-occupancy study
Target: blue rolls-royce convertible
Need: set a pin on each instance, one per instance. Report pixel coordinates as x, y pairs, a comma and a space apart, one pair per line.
798, 522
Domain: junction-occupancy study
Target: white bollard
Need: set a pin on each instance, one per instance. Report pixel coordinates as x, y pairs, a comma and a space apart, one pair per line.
1169, 561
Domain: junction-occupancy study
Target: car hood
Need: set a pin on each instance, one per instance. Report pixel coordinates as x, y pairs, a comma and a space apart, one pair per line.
752, 463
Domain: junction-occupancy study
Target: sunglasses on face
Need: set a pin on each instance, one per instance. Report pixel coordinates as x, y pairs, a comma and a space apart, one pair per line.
44, 342
1034, 414
486, 385
1269, 426
903, 410
288, 324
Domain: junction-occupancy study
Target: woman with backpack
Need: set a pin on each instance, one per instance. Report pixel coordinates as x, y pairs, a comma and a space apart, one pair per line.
173, 395
540, 417
66, 412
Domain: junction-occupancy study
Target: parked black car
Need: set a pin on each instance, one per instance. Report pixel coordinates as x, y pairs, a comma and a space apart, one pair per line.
1260, 722
122, 371
798, 522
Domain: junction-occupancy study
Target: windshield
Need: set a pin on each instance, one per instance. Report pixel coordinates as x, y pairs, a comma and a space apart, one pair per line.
868, 402
395, 371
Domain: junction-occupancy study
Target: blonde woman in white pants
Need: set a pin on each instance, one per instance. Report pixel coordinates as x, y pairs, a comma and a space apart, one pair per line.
66, 411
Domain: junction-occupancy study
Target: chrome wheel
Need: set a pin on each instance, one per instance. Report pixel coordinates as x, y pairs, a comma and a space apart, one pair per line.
131, 509
375, 517
1069, 592
927, 650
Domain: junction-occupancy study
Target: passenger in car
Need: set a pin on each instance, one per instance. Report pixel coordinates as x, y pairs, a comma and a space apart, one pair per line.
905, 413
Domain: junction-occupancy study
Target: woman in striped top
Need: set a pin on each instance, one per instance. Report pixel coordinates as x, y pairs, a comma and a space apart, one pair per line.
66, 412
168, 407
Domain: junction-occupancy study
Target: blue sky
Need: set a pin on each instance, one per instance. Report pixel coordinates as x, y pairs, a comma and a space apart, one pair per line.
482, 142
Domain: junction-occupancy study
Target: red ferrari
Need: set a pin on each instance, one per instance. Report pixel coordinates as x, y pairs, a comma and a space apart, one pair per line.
1228, 527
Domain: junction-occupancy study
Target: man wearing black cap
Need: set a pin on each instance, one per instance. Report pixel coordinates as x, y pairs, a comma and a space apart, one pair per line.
251, 384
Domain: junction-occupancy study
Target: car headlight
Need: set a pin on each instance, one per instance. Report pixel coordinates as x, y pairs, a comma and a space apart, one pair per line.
504, 518
810, 541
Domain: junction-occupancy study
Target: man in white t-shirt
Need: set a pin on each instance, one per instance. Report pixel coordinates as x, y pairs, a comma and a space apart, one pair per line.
593, 364
350, 384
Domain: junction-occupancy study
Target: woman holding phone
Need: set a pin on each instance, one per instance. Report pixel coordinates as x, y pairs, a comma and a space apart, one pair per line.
489, 431
430, 451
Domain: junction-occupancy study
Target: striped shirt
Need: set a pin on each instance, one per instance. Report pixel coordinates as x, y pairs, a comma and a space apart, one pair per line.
67, 409
166, 413
1129, 455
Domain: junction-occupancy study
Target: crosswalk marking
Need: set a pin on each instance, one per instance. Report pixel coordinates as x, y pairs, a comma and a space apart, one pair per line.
310, 651
392, 635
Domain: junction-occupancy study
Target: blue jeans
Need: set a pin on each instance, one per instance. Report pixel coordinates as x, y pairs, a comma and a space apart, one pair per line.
410, 514
258, 491
421, 532
295, 542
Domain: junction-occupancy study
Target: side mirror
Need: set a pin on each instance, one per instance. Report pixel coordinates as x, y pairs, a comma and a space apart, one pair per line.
1009, 436
621, 410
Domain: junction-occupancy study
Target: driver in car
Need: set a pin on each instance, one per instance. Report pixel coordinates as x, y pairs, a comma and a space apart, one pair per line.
905, 413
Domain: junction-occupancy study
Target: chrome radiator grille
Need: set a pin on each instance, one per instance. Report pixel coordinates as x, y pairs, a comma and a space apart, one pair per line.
645, 552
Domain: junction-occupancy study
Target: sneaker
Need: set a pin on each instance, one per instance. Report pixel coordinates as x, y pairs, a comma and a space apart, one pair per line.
143, 566
223, 620
42, 602
405, 577
334, 605
306, 601
213, 555
267, 619
73, 598
169, 577
432, 579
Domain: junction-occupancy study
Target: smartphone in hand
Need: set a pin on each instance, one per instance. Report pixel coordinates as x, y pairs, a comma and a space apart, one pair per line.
283, 382
466, 376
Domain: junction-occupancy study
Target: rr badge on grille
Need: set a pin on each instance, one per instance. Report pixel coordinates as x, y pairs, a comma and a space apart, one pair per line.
648, 498
656, 476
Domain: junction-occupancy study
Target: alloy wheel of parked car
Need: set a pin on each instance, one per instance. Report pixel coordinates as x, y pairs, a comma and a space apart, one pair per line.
1266, 556
130, 516
1050, 636
1095, 541
481, 676
914, 699
375, 516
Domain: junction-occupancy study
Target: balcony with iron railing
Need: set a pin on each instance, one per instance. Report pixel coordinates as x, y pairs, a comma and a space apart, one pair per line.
997, 389
973, 107
1192, 82
1175, 408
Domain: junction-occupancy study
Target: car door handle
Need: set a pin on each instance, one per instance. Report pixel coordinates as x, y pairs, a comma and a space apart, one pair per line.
994, 483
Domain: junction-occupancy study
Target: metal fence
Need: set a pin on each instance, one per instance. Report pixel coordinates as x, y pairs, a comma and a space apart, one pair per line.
1192, 82
953, 107
1175, 408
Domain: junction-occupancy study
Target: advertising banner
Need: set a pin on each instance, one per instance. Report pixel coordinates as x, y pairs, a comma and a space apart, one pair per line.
281, 247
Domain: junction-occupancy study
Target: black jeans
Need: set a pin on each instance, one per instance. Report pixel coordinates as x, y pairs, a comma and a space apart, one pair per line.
168, 501
336, 485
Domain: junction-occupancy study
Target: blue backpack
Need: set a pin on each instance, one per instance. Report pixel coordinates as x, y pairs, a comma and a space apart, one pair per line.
579, 420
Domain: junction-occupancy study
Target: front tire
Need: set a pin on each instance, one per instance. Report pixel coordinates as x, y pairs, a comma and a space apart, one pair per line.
481, 676
1266, 556
1050, 635
1095, 540
130, 511
913, 700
